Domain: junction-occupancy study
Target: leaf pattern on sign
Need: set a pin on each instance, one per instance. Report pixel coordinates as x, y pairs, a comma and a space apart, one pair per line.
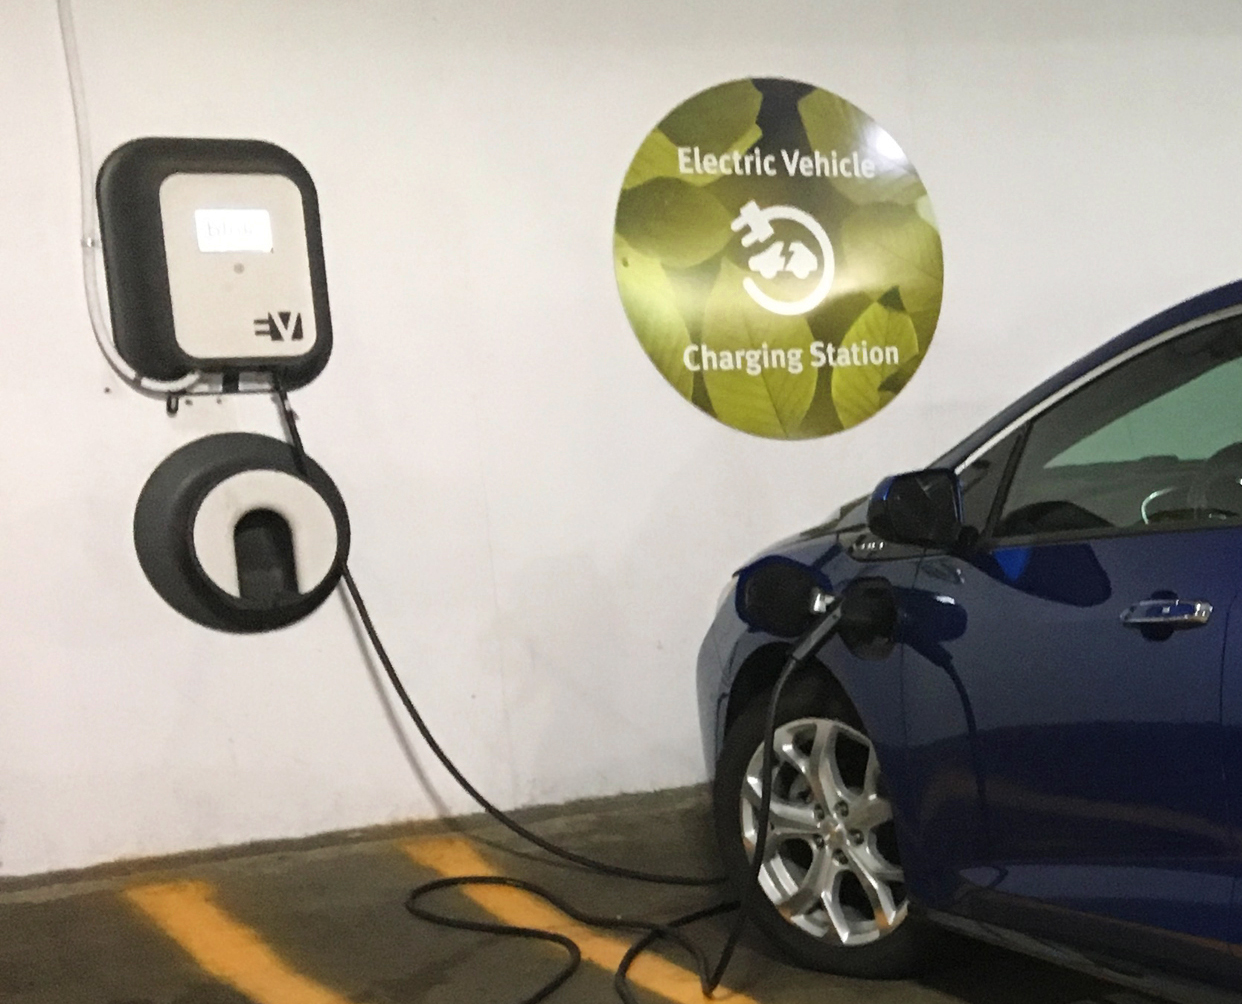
832, 123
651, 306
897, 380
676, 223
656, 158
774, 402
924, 208
857, 390
716, 119
883, 246
829, 324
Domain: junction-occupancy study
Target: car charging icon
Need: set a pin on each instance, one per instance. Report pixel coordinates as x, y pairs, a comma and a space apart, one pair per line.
774, 259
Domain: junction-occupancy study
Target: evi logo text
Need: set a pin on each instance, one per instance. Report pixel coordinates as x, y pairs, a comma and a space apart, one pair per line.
284, 324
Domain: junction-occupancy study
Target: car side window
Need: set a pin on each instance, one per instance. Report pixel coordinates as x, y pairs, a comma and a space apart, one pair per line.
981, 479
1155, 443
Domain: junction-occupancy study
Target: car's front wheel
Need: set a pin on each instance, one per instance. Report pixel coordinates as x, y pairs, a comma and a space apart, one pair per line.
833, 892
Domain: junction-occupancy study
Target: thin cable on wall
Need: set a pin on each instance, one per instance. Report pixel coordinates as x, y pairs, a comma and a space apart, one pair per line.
90, 226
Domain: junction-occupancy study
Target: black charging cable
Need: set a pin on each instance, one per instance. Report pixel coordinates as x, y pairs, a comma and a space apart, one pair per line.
390, 671
709, 977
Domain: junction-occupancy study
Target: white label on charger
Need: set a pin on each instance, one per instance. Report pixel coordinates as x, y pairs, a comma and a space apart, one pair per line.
233, 230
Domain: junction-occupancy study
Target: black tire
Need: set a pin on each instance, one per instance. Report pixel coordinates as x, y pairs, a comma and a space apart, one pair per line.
889, 945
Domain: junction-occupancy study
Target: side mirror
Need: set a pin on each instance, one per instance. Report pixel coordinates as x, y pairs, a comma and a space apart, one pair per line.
779, 596
922, 508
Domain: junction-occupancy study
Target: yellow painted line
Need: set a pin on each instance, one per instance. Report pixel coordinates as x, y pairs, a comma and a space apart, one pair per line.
227, 949
453, 857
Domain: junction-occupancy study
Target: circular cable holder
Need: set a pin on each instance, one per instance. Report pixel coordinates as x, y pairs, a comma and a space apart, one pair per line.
234, 534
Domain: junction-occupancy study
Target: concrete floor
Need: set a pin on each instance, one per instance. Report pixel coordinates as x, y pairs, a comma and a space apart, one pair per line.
324, 923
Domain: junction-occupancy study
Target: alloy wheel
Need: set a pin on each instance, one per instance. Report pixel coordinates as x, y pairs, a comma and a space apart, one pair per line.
830, 861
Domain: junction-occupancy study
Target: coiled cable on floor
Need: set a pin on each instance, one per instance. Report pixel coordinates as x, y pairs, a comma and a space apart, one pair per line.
653, 931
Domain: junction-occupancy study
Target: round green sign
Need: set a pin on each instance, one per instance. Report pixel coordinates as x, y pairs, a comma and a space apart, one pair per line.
778, 258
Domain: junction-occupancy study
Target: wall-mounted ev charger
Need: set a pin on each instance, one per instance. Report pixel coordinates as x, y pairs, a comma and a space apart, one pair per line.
214, 263
214, 259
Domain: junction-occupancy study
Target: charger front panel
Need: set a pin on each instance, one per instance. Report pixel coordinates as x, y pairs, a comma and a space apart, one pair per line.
238, 269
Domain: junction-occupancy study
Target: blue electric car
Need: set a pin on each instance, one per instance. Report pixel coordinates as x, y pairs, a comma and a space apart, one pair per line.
1033, 734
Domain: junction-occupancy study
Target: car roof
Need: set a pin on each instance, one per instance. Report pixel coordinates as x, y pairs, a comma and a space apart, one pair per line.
1203, 305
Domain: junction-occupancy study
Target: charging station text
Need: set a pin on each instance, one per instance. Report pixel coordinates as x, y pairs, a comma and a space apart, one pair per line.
697, 358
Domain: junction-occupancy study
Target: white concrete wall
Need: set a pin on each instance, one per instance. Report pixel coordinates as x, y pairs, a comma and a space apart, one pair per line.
541, 525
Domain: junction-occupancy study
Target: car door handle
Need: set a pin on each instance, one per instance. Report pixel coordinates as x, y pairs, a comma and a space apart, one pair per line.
1173, 613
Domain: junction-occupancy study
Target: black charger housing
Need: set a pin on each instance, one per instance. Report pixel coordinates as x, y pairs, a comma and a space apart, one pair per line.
152, 330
